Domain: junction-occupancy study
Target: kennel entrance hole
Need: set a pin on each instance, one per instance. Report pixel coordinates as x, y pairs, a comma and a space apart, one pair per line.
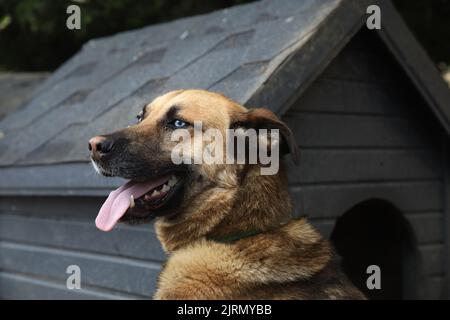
375, 232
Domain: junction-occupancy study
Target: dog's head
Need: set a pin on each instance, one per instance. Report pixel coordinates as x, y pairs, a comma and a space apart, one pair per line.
144, 153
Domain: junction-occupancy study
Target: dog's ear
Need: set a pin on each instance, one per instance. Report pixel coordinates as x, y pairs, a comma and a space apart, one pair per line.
261, 118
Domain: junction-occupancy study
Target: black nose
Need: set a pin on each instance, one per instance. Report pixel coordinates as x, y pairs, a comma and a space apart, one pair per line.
100, 145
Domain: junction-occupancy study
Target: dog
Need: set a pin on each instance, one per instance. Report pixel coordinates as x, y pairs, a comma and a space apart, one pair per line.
228, 229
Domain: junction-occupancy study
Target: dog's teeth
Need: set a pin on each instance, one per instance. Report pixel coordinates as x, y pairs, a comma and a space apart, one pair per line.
132, 203
172, 181
165, 188
155, 193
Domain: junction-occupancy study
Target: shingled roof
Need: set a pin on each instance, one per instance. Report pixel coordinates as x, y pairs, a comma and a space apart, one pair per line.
263, 54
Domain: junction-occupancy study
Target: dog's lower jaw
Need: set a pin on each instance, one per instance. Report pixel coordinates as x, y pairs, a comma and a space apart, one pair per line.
219, 212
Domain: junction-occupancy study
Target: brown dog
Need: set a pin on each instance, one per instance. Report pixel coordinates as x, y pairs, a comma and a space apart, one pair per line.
228, 228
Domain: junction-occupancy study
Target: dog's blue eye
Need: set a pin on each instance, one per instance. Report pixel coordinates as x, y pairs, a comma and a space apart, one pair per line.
177, 124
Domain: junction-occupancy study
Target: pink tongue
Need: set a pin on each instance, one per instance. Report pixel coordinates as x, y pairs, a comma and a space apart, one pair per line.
118, 202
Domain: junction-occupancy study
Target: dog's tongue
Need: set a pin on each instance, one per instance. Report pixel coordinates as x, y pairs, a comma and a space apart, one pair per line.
118, 202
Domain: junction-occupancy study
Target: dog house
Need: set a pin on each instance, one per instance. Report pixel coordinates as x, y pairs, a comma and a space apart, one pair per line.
369, 110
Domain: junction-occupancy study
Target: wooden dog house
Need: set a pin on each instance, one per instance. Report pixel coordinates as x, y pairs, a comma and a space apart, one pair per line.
369, 109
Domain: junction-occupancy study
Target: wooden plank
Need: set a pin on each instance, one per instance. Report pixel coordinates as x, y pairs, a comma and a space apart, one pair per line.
406, 196
363, 66
415, 62
74, 207
331, 130
126, 241
119, 274
426, 230
304, 65
434, 288
336, 96
358, 165
446, 219
16, 286
432, 257
368, 41
427, 226
60, 179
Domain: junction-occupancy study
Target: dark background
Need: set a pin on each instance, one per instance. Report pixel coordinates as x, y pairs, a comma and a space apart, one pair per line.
33, 36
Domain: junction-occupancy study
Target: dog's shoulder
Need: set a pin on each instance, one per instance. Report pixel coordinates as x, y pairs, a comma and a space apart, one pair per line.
208, 269
201, 270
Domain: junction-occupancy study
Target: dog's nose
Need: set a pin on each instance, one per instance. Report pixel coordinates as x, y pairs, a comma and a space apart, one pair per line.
100, 145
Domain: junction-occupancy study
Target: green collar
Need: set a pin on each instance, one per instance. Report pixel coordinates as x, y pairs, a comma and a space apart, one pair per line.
235, 236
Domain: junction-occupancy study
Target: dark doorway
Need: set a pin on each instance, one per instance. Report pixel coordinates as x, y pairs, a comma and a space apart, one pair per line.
374, 232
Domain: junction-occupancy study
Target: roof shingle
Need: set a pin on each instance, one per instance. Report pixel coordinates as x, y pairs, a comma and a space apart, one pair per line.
262, 54
101, 88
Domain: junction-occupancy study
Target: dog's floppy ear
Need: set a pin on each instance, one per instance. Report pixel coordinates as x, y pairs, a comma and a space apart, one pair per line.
261, 118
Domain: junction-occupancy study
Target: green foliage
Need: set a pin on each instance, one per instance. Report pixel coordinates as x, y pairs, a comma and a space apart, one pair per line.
33, 33
430, 22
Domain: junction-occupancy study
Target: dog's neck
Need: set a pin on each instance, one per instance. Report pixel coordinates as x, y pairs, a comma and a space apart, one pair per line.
258, 204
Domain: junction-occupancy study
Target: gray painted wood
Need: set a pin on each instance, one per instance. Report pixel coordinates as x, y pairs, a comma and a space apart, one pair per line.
372, 99
327, 165
416, 63
388, 148
446, 218
433, 259
431, 255
406, 196
24, 287
433, 288
124, 263
340, 130
124, 241
302, 67
421, 225
62, 179
427, 227
362, 67
99, 270
69, 208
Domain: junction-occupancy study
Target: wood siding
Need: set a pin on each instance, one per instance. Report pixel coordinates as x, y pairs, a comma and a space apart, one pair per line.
36, 251
365, 133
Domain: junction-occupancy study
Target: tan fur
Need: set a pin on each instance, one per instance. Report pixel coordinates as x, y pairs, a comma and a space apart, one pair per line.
288, 260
